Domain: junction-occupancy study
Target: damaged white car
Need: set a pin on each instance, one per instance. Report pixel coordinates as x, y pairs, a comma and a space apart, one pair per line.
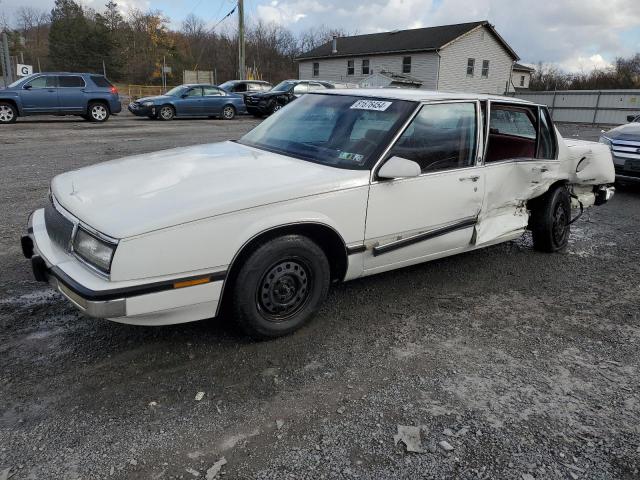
337, 185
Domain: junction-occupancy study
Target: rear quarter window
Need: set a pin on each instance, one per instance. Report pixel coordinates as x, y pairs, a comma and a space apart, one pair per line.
100, 81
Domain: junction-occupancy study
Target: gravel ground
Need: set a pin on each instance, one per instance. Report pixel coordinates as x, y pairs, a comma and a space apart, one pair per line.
526, 364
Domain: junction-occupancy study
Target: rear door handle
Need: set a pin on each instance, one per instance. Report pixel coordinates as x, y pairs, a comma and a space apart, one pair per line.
472, 178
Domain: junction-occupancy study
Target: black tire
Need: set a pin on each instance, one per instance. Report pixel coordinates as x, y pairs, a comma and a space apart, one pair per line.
98, 112
550, 217
228, 112
166, 113
280, 286
275, 107
8, 113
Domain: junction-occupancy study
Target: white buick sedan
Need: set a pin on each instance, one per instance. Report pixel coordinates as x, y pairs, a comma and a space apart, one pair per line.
337, 185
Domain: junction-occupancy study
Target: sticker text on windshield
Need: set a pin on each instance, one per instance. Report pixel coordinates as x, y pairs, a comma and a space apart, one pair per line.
377, 105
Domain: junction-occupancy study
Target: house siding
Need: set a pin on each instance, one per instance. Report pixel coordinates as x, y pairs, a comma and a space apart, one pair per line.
515, 80
424, 67
479, 44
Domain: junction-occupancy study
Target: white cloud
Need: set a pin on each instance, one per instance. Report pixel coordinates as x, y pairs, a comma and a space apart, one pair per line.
574, 34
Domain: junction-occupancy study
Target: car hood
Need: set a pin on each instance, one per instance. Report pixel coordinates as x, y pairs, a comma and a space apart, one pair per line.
629, 131
139, 194
157, 98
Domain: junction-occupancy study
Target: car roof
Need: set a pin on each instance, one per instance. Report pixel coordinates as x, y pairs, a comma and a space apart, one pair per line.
418, 95
69, 73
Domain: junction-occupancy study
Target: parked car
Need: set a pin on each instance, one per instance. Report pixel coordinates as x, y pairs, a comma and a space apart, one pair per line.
244, 87
338, 186
624, 142
190, 101
261, 104
87, 95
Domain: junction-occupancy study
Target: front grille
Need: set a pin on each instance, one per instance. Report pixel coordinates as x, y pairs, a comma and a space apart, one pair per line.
59, 228
627, 173
628, 149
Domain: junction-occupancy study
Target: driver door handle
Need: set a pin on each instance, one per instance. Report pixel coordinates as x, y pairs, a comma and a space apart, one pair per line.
472, 178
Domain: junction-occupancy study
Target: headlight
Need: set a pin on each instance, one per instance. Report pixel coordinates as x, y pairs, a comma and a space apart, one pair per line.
147, 104
605, 140
93, 250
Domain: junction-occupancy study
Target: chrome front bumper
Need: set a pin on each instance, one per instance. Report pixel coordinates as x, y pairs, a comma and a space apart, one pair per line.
44, 272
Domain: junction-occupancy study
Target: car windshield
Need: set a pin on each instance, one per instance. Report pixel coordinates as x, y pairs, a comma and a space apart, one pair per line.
283, 86
176, 91
226, 85
337, 130
17, 82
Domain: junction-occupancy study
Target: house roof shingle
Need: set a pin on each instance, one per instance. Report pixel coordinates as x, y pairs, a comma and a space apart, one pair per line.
518, 67
418, 39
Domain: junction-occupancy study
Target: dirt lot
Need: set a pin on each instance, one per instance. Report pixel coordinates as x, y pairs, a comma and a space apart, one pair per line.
525, 363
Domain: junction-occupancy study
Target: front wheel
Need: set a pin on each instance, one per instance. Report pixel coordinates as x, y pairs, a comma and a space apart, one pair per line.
228, 112
8, 113
166, 113
550, 220
98, 112
280, 286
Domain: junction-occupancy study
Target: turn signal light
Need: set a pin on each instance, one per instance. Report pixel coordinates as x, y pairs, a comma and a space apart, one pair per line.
191, 283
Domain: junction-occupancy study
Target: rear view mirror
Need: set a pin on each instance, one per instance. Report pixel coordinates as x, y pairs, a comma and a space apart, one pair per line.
633, 118
398, 167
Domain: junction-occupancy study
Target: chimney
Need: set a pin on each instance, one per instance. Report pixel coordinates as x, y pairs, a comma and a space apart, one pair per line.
334, 44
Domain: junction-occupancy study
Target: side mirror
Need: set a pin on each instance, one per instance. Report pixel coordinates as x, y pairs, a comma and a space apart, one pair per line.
398, 167
632, 118
28, 87
184, 95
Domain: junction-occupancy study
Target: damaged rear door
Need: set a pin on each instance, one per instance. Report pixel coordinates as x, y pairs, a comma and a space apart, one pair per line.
520, 163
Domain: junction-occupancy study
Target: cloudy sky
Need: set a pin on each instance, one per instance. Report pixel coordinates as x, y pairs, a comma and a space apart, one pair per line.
574, 34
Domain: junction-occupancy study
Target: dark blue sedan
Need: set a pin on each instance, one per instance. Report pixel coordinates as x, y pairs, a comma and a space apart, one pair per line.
190, 101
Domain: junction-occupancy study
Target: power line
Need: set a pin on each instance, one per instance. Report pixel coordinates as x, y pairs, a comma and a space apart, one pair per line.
210, 31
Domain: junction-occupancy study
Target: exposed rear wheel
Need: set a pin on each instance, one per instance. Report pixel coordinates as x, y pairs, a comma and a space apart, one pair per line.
98, 112
228, 112
8, 113
550, 217
280, 286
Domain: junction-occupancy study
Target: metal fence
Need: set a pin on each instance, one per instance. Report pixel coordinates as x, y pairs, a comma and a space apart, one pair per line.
597, 107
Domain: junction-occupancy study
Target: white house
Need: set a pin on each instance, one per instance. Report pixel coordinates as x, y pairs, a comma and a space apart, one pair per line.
521, 77
470, 57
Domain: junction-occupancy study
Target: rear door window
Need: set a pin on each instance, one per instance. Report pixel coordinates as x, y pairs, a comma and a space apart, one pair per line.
211, 92
512, 132
70, 81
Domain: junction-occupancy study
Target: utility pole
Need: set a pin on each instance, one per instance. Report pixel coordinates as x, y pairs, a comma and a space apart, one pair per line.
241, 67
7, 71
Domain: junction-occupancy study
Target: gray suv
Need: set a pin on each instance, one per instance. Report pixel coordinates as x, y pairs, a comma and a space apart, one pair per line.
89, 96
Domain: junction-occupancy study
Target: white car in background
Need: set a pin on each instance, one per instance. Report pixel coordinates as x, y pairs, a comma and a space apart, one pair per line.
337, 185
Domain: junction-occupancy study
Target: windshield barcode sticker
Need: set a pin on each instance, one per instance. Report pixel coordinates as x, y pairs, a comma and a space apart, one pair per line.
378, 105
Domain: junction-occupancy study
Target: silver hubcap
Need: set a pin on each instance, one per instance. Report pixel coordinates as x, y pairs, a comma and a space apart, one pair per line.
166, 113
6, 113
99, 112
228, 112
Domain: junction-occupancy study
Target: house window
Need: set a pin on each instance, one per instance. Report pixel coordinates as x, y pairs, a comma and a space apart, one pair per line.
365, 67
316, 69
351, 69
406, 65
522, 80
471, 65
485, 68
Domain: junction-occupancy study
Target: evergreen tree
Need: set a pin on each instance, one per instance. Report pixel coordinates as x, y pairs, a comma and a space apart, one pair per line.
67, 36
